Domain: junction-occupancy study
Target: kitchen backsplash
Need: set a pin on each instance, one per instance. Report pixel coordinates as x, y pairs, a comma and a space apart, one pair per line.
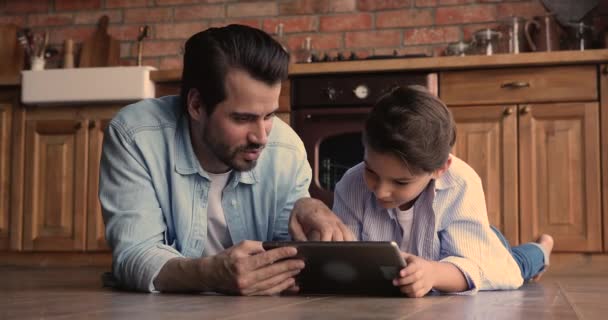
363, 27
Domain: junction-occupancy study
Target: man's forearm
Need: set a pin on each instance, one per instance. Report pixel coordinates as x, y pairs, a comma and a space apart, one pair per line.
449, 278
182, 275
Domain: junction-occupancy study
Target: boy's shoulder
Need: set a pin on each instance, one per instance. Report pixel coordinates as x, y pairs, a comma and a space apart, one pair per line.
459, 174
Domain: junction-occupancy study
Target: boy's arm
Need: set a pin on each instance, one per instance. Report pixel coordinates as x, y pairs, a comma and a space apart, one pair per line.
421, 275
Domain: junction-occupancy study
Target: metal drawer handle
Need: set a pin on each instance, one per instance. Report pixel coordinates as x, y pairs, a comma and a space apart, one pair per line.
507, 112
524, 110
515, 84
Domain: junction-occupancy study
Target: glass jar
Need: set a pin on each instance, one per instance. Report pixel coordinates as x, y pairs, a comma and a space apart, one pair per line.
486, 41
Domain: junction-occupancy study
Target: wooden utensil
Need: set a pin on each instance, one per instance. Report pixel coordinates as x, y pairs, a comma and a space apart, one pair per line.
100, 50
11, 54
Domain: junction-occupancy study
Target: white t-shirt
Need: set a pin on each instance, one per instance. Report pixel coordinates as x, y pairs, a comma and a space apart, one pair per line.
218, 237
405, 218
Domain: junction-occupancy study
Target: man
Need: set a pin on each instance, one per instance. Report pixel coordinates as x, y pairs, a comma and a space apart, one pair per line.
191, 185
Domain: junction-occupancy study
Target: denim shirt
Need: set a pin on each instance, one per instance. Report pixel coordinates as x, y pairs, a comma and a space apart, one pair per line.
450, 225
153, 191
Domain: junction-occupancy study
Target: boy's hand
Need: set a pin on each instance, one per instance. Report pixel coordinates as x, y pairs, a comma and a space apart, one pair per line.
417, 279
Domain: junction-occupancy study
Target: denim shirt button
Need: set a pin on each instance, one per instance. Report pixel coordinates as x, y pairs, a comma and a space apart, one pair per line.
233, 202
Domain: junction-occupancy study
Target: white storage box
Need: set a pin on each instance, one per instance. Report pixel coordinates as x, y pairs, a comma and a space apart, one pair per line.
86, 85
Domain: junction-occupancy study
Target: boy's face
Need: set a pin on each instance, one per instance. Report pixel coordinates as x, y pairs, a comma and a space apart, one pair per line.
387, 176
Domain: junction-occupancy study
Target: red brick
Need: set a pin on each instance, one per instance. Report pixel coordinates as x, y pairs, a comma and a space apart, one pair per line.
70, 5
295, 7
525, 9
371, 39
291, 24
319, 41
469, 30
152, 62
200, 12
465, 14
126, 3
17, 20
21, 6
159, 48
346, 22
426, 3
92, 17
456, 2
171, 63
76, 33
342, 5
178, 30
404, 18
255, 23
148, 15
431, 35
254, 9
373, 5
44, 20
125, 49
124, 32
178, 2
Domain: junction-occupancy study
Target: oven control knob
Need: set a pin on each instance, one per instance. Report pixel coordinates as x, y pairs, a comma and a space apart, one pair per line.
331, 93
361, 91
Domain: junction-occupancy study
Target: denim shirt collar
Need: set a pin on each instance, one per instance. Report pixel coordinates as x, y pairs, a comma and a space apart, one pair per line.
186, 162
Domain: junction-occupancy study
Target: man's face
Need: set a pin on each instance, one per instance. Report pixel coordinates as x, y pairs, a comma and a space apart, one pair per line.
237, 130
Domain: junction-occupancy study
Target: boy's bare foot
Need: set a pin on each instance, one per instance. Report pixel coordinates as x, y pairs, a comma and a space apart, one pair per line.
546, 241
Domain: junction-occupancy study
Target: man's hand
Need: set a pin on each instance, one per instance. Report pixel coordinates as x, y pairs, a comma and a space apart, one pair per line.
417, 278
311, 219
246, 269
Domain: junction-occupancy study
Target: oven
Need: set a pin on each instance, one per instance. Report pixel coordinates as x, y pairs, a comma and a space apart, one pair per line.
328, 113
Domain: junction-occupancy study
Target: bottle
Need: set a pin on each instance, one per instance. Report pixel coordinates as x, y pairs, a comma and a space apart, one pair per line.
281, 37
304, 54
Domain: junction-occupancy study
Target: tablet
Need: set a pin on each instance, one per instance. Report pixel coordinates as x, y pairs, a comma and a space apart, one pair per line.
350, 267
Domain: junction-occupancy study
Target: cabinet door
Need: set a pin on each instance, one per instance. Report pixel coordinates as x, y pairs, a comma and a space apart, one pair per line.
55, 184
486, 139
5, 129
95, 226
560, 174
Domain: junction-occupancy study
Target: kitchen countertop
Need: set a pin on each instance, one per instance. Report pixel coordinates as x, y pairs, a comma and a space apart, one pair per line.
431, 63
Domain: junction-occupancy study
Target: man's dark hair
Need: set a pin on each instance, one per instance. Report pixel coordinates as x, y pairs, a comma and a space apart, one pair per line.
210, 54
414, 125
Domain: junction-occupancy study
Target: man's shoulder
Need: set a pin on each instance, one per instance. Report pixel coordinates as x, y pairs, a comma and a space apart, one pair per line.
148, 114
283, 136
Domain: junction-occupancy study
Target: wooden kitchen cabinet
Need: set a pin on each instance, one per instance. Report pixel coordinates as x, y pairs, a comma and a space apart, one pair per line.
487, 140
532, 134
60, 210
8, 99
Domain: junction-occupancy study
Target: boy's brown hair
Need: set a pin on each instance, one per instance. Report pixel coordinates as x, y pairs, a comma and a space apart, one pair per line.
414, 125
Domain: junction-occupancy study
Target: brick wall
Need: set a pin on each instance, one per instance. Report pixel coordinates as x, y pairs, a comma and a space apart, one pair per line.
363, 26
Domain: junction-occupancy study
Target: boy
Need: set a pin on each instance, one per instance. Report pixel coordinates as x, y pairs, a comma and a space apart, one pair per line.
410, 189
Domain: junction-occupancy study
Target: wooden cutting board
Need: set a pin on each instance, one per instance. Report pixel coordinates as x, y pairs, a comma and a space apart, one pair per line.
11, 53
101, 49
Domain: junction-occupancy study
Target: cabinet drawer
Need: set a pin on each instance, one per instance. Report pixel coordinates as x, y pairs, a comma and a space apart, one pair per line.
519, 85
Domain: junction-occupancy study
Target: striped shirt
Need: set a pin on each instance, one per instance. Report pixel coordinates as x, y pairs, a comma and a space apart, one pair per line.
450, 225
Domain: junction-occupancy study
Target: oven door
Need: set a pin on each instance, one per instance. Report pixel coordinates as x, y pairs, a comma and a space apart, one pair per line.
332, 137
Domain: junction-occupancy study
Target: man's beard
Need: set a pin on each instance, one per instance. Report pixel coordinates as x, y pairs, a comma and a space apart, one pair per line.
229, 155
